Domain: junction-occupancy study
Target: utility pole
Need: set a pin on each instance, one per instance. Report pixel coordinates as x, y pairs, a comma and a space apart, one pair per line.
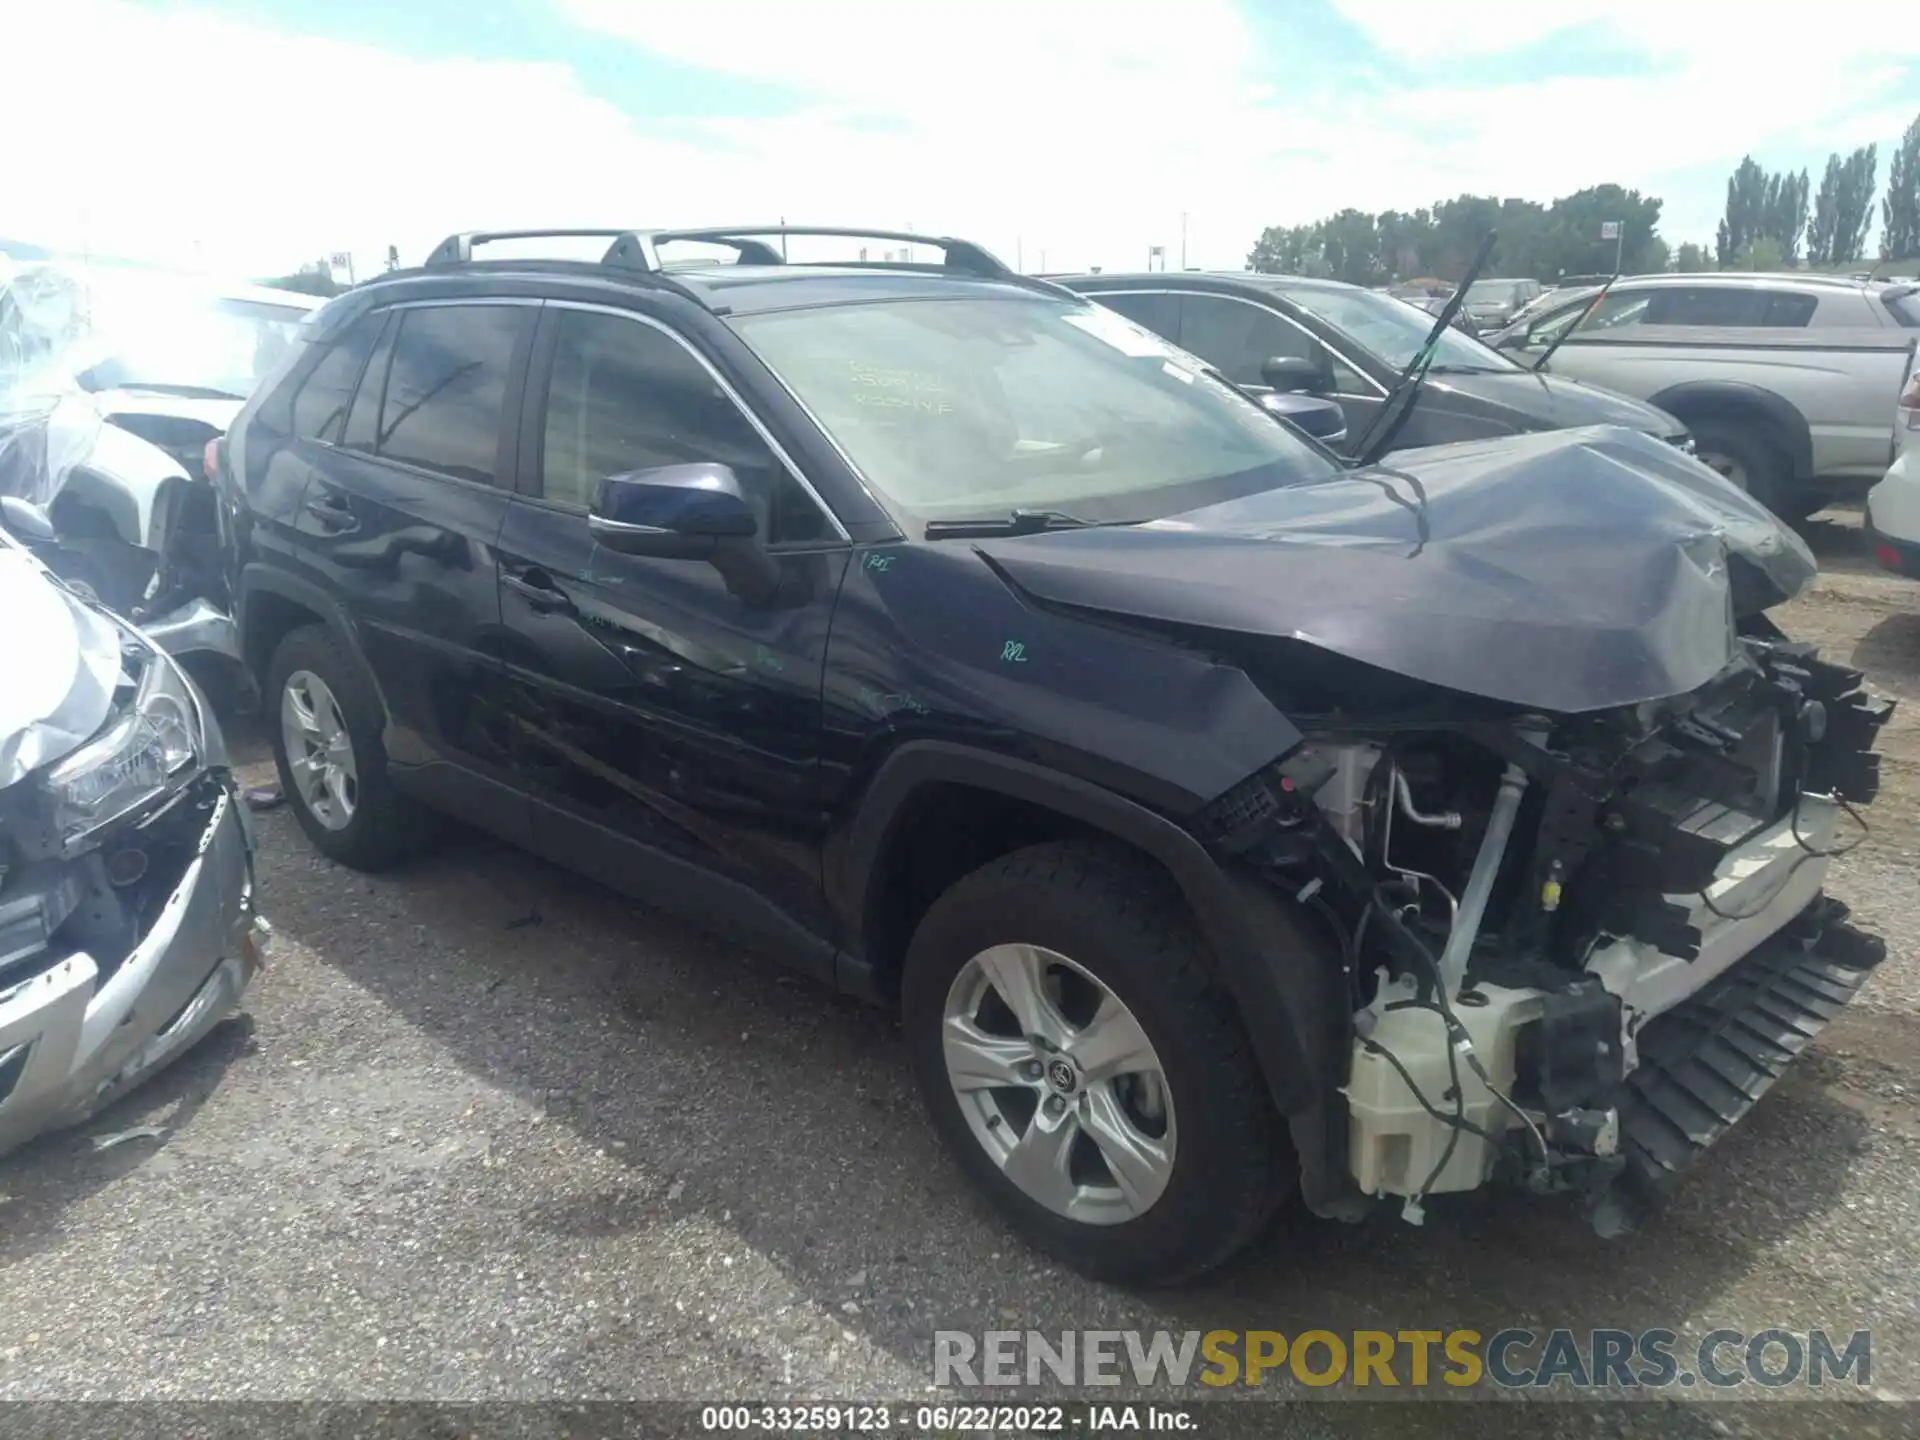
783, 241
1043, 259
1020, 255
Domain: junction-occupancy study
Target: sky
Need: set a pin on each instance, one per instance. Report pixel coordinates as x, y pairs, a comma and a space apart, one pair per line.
250, 136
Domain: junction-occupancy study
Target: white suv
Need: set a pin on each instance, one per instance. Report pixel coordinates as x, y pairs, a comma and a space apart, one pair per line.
1893, 506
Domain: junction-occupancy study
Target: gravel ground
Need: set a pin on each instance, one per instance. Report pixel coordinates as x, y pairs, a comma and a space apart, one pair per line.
489, 1132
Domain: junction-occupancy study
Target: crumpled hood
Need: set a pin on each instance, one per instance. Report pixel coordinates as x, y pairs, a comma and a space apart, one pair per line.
1564, 571
61, 662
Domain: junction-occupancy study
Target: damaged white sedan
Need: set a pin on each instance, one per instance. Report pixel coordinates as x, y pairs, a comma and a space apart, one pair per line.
127, 920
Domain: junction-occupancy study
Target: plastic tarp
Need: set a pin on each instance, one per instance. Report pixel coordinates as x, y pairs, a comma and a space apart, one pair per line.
61, 660
48, 424
1566, 571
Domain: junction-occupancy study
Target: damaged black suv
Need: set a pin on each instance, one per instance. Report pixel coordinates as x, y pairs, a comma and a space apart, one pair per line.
1229, 824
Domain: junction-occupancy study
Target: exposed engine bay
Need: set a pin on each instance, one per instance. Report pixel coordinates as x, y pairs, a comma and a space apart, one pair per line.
1577, 948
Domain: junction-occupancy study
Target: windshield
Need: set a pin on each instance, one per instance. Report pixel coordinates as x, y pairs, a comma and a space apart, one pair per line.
1395, 330
133, 331
974, 408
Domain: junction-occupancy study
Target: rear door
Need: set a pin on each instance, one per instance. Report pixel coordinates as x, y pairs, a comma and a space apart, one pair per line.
400, 521
667, 717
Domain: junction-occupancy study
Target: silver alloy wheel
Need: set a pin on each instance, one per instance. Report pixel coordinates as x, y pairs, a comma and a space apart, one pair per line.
1059, 1084
319, 750
1725, 465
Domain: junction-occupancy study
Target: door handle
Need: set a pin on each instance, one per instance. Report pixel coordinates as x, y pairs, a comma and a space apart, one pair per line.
334, 512
536, 587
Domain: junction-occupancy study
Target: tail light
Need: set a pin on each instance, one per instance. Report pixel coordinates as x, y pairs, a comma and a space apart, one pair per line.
1910, 402
210, 456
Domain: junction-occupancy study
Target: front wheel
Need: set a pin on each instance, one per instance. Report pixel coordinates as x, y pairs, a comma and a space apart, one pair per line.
1086, 1068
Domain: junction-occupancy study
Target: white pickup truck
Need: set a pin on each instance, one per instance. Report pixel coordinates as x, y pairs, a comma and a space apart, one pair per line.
1786, 381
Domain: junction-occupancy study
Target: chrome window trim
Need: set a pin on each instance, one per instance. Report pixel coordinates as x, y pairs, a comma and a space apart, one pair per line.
1380, 390
779, 450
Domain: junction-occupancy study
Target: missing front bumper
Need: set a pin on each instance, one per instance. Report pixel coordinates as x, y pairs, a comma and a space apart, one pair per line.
1706, 1063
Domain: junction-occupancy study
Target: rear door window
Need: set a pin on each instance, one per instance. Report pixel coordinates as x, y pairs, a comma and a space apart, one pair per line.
1708, 305
1787, 310
446, 388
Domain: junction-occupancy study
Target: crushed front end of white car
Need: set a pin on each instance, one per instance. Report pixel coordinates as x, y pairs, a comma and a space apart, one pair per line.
127, 921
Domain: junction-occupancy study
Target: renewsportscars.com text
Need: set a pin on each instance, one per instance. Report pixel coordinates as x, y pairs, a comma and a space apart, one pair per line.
1510, 1359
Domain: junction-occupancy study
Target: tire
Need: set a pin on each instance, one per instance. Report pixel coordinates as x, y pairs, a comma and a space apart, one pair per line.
1751, 452
381, 827
1117, 920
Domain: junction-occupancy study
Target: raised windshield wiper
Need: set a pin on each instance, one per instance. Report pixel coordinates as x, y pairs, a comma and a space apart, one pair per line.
1575, 324
1017, 522
1394, 410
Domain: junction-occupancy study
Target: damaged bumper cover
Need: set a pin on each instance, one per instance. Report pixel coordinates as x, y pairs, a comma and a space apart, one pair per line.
73, 1035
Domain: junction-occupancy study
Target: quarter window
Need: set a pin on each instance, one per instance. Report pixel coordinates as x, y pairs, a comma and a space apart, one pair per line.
446, 388
320, 401
625, 396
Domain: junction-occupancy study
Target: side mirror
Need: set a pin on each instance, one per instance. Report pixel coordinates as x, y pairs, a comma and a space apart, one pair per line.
672, 512
25, 520
1323, 419
1292, 373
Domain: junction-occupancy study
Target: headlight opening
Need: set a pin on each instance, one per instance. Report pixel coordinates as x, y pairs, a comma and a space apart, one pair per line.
146, 753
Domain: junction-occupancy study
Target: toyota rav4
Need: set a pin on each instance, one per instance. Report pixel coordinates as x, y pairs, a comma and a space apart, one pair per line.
1229, 824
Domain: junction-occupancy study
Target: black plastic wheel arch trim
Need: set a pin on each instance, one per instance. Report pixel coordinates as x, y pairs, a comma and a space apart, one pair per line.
1247, 966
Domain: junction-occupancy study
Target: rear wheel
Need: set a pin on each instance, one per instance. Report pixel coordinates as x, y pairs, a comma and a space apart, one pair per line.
1086, 1068
1748, 456
324, 716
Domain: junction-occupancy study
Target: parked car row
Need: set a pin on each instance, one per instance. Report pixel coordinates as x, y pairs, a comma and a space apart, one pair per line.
1287, 332
1788, 382
1785, 384
1232, 820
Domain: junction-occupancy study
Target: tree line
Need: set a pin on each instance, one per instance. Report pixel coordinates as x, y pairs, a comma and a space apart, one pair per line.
1769, 222
1773, 221
1545, 242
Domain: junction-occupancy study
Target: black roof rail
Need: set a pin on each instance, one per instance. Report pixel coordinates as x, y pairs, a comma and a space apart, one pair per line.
458, 249
961, 255
639, 251
636, 249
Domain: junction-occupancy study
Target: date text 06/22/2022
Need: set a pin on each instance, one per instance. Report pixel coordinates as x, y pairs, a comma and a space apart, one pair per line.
947, 1419
1598, 1359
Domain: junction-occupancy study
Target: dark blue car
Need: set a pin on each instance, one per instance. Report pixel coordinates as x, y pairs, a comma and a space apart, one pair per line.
1229, 823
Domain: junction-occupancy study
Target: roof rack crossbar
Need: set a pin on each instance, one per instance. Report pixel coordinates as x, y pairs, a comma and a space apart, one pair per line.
961, 255
458, 249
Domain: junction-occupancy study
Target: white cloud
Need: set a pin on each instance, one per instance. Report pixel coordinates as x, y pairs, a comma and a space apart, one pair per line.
1070, 132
